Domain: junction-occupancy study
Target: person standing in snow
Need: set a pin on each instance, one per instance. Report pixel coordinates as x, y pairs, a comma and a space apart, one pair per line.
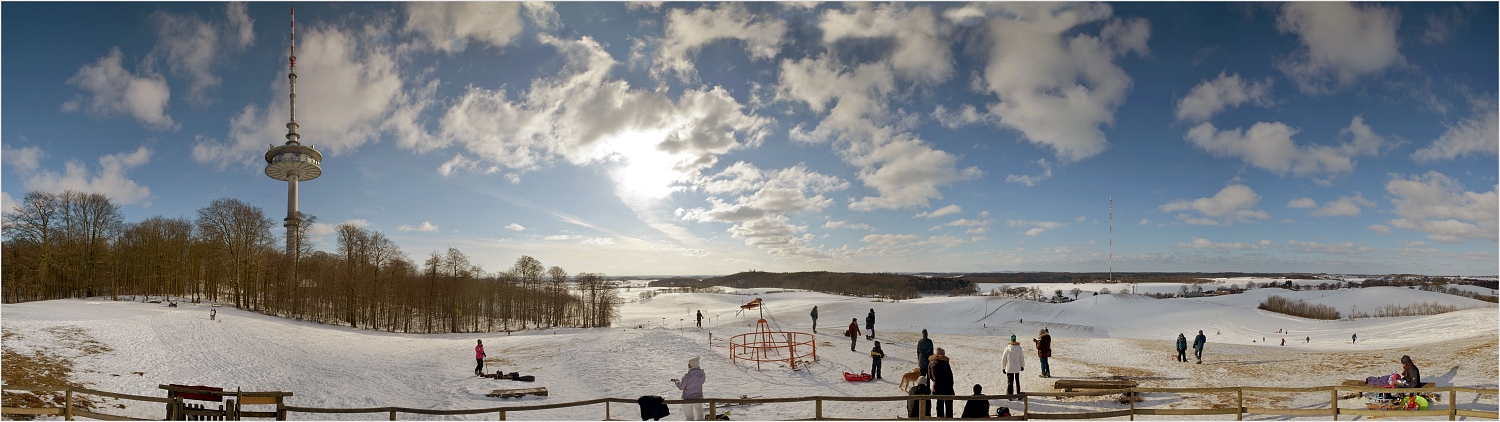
924, 349
1309, 339
870, 324
691, 385
1198, 343
1354, 338
700, 318
942, 382
815, 319
1283, 341
1012, 361
1181, 347
853, 333
875, 356
479, 358
1044, 351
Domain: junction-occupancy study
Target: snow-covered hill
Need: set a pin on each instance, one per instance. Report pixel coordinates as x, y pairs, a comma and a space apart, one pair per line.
1107, 335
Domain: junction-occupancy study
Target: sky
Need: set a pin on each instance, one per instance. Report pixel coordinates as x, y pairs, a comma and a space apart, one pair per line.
713, 138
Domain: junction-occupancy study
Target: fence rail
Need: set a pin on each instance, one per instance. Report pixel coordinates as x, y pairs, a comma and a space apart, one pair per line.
70, 410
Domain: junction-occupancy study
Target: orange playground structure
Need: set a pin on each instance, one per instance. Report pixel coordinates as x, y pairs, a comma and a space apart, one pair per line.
766, 346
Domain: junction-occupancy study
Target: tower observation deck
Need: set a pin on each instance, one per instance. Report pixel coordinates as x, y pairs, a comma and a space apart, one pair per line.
292, 161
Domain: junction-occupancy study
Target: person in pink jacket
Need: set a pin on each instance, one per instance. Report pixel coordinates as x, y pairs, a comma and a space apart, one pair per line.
479, 358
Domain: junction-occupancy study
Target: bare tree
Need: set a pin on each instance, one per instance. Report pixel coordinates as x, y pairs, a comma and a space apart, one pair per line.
235, 229
1076, 291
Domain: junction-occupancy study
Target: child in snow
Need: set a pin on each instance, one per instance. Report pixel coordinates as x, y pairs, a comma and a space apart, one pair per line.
1181, 347
875, 356
479, 358
691, 385
914, 407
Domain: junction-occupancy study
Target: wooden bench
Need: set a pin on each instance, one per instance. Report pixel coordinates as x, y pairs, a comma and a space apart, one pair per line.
1070, 385
518, 392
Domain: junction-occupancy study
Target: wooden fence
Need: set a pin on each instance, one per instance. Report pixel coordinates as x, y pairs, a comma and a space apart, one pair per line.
69, 411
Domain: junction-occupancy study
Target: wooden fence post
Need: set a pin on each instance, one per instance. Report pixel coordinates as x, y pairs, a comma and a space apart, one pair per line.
1239, 410
1130, 396
606, 410
68, 404
713, 409
1452, 408
1333, 403
502, 415
818, 409
393, 415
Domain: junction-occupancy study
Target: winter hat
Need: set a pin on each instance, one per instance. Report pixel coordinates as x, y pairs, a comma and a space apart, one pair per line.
1012, 337
693, 363
941, 352
922, 380
1041, 333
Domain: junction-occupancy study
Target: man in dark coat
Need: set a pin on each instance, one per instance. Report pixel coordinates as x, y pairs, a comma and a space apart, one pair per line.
1198, 343
870, 325
700, 319
853, 333
976, 408
1410, 373
924, 349
942, 382
815, 319
1181, 347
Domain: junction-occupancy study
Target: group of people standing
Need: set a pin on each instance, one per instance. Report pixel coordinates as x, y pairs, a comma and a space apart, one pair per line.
1198, 343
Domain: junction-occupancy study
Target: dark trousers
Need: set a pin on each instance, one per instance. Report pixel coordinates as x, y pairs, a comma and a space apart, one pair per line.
875, 368
1012, 383
1198, 353
479, 365
853, 338
1182, 355
945, 408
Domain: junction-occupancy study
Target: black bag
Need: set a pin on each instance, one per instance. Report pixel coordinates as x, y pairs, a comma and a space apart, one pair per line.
527, 378
653, 407
1002, 412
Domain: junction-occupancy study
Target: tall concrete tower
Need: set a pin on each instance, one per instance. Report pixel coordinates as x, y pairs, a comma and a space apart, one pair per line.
293, 161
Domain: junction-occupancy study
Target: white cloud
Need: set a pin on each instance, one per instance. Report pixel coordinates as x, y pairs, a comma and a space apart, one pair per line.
687, 32
426, 226
779, 237
7, 204
1055, 84
964, 116
1028, 180
111, 180
542, 14
1475, 135
1233, 204
1081, 218
349, 88
1037, 227
1442, 26
920, 53
1342, 42
560, 237
1341, 248
835, 224
357, 222
514, 227
241, 28
1211, 97
110, 89
1269, 146
1302, 203
888, 239
451, 26
192, 47
1199, 243
24, 160
947, 210
763, 201
1437, 205
598, 241
1345, 206
964, 222
1144, 222
1380, 228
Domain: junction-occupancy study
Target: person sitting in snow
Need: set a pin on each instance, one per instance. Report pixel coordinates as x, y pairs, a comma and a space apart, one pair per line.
691, 385
976, 408
1410, 375
924, 407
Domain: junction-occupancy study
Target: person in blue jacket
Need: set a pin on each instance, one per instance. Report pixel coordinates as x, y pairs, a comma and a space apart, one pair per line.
1198, 343
1181, 347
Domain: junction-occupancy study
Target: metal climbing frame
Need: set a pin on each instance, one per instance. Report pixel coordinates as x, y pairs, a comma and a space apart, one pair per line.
764, 345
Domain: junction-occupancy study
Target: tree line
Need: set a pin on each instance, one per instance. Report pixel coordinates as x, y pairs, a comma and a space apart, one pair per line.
882, 285
77, 245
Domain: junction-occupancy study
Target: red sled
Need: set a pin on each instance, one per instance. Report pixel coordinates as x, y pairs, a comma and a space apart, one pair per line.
860, 377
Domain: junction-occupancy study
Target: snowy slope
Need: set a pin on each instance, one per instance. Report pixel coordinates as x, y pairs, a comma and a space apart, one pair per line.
1108, 335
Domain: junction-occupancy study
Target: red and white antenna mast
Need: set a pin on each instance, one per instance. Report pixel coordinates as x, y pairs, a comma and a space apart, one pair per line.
1112, 239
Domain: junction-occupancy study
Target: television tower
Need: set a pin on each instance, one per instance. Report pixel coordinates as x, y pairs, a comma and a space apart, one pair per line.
1112, 239
293, 161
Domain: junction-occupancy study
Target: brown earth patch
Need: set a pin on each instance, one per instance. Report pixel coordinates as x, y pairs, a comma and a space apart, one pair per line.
46, 368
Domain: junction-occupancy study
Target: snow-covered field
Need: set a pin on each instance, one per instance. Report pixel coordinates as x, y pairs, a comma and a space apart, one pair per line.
1095, 337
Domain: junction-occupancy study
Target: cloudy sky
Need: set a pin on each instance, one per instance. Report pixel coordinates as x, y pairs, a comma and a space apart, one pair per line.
687, 138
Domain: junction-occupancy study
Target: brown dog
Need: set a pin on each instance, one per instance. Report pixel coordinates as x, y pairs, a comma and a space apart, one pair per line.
910, 378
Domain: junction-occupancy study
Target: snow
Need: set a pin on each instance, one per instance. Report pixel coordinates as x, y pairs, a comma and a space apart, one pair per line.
1095, 337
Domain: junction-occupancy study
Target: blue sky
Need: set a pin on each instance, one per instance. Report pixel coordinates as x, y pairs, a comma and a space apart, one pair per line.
687, 138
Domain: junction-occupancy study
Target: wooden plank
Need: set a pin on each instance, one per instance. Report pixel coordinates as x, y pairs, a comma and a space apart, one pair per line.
104, 417
1186, 390
248, 399
1478, 414
1287, 389
518, 392
31, 410
1147, 411
244, 414
1288, 412
1394, 413
1070, 384
1089, 415
31, 388
81, 390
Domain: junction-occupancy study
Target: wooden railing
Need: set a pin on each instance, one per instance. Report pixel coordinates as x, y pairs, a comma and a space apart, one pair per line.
69, 410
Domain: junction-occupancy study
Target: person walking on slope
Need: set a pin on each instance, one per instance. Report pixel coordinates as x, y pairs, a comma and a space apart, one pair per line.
691, 385
1044, 351
870, 324
853, 333
479, 358
1354, 338
1012, 362
700, 318
875, 356
1181, 347
815, 319
924, 349
1198, 343
942, 382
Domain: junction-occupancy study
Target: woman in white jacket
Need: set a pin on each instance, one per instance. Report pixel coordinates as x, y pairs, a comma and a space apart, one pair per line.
1013, 361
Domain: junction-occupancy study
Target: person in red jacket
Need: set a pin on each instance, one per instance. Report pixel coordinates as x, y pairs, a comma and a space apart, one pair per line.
853, 333
1044, 351
479, 358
